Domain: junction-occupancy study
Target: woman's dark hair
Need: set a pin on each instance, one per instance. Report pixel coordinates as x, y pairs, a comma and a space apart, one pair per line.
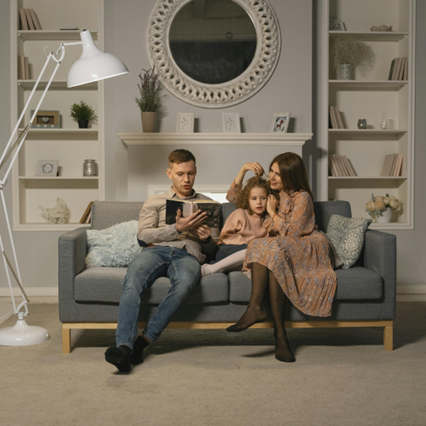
292, 172
242, 201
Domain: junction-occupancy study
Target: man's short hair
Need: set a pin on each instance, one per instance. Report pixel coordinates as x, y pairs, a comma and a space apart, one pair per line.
181, 156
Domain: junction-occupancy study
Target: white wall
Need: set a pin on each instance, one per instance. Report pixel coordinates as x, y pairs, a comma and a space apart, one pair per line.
125, 23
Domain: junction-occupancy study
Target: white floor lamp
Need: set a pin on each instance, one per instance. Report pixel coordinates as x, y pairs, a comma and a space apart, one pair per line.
93, 65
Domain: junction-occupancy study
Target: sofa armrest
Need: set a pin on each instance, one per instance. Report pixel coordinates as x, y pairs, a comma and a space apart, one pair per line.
380, 256
72, 251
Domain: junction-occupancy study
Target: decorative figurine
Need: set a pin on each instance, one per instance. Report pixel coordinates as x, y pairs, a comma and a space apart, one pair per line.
57, 214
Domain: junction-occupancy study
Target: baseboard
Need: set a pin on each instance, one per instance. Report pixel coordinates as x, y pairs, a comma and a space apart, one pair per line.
31, 291
411, 293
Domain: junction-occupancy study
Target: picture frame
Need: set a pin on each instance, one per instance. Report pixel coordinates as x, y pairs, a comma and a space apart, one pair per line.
336, 25
185, 122
231, 122
280, 122
46, 120
47, 168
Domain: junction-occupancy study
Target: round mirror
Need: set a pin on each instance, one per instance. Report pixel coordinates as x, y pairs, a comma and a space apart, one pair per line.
213, 53
212, 41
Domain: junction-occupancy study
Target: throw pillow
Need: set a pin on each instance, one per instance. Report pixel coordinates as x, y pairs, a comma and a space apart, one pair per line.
347, 236
115, 246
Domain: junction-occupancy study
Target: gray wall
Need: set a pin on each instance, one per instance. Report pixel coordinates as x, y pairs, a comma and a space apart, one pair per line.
288, 90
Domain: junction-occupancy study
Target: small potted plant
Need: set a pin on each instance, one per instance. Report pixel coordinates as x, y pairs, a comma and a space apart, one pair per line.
348, 52
83, 114
149, 100
381, 207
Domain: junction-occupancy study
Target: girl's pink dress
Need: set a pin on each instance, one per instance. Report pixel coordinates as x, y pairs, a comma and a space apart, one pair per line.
298, 255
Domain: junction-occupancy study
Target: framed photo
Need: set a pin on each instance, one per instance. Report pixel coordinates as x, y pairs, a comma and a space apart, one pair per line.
336, 25
281, 122
46, 120
47, 168
231, 122
185, 122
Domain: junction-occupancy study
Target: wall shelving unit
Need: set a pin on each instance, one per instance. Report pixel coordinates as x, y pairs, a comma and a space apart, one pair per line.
68, 144
368, 96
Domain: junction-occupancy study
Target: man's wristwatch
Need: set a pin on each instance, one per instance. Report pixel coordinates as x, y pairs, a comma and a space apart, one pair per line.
177, 230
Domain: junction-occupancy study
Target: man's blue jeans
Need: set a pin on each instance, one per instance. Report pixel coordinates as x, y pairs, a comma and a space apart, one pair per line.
153, 262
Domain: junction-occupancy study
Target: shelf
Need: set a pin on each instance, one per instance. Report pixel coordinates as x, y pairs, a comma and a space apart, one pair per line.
53, 35
58, 178
370, 132
371, 35
370, 85
367, 177
55, 85
76, 133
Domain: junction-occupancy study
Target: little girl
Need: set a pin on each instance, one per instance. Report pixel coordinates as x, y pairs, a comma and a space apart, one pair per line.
242, 225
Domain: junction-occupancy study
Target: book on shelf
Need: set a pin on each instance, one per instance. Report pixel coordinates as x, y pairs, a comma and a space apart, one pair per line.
341, 166
392, 67
398, 165
22, 60
399, 69
333, 118
87, 213
211, 207
29, 20
27, 68
24, 22
387, 165
339, 118
406, 69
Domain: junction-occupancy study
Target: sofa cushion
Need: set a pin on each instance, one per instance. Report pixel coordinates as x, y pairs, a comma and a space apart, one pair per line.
347, 236
114, 246
102, 284
356, 283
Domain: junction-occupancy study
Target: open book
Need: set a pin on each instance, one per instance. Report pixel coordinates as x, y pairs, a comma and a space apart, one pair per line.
212, 208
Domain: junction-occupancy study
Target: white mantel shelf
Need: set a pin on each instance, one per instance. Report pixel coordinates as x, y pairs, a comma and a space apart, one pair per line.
295, 139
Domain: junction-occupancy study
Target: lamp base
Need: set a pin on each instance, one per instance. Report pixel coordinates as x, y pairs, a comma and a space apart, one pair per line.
22, 334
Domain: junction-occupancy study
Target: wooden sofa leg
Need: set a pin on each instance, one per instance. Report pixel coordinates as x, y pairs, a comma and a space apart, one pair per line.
388, 337
66, 340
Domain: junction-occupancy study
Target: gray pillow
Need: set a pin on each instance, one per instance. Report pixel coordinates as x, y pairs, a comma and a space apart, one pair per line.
336, 262
347, 236
115, 246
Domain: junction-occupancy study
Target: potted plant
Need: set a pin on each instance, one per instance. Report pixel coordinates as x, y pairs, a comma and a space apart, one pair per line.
83, 114
149, 100
348, 52
381, 207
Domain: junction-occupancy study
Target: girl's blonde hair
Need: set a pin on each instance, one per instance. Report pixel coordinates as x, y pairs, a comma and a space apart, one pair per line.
242, 201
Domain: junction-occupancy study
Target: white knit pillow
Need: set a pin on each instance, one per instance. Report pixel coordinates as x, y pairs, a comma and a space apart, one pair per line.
115, 246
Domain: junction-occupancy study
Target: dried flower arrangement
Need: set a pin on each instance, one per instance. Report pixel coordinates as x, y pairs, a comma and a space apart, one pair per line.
379, 203
349, 50
149, 87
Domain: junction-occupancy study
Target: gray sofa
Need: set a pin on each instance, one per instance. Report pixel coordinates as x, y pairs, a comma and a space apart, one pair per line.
89, 297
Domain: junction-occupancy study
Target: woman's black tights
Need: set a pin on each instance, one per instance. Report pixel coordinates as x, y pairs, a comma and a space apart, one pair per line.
262, 277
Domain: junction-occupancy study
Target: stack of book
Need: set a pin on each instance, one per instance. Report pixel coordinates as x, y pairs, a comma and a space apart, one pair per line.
29, 20
392, 165
399, 69
340, 165
336, 118
87, 215
23, 68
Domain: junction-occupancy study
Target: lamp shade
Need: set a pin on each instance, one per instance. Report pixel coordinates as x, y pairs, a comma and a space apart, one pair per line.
93, 65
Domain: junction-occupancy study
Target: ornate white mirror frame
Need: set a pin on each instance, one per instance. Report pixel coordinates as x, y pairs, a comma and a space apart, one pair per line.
214, 95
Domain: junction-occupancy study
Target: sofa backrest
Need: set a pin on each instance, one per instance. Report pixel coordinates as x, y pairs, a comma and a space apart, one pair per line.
108, 213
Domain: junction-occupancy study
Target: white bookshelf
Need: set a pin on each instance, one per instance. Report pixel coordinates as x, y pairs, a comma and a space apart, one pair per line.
368, 96
68, 144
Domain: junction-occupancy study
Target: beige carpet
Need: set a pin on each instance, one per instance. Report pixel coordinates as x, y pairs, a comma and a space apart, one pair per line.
341, 377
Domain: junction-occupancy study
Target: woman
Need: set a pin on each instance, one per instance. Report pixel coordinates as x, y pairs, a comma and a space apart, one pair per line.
294, 263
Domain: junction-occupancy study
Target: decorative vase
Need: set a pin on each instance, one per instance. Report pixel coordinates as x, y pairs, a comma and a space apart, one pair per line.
385, 216
90, 168
83, 124
346, 72
148, 121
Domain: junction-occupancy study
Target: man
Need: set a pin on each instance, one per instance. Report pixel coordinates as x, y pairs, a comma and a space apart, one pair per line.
175, 251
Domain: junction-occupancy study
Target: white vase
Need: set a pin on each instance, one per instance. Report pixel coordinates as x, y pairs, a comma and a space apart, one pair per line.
385, 216
346, 72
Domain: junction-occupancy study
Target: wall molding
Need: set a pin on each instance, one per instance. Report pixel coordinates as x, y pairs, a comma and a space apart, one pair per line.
31, 291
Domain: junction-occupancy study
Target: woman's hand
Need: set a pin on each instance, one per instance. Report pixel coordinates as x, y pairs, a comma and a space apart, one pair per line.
256, 168
271, 205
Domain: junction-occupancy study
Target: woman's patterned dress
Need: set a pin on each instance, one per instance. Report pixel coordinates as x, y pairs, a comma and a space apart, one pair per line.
298, 255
